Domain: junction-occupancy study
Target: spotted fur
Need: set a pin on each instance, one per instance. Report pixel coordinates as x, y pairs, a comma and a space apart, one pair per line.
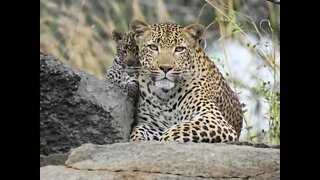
123, 70
183, 96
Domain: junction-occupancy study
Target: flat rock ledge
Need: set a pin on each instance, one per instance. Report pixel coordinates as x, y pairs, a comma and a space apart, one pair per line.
166, 160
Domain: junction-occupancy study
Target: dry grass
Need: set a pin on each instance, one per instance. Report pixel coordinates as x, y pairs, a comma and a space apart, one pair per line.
79, 31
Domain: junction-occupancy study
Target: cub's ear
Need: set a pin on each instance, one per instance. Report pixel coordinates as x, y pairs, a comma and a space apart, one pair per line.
139, 27
117, 35
195, 31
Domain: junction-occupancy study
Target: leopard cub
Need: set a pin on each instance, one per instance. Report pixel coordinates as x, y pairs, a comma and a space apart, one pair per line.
125, 66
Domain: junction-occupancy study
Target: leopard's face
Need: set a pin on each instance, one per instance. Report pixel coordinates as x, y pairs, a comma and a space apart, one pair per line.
167, 51
127, 50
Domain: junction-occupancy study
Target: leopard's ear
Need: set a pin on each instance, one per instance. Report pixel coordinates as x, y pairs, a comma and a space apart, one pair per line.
139, 27
117, 35
195, 31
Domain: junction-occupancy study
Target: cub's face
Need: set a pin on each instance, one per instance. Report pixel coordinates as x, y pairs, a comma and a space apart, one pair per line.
167, 50
127, 50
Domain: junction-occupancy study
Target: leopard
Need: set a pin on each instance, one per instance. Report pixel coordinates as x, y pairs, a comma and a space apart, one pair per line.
123, 71
183, 97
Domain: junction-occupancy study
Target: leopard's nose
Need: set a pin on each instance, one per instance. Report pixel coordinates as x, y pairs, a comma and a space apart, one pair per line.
165, 68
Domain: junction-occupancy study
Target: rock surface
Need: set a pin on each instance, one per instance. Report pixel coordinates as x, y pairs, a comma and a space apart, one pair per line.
53, 159
77, 108
167, 160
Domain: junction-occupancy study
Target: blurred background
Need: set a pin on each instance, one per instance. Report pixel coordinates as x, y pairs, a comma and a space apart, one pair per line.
242, 39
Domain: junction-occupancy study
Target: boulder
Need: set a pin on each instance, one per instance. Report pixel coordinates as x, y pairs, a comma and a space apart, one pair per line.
85, 125
77, 108
167, 160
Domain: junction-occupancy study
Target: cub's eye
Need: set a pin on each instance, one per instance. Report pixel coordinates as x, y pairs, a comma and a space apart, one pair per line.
123, 51
179, 49
153, 47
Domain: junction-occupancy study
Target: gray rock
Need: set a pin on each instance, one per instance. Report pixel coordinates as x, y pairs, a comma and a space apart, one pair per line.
77, 108
167, 160
53, 159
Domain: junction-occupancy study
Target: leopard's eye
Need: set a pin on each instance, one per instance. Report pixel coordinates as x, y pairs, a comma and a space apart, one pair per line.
179, 49
153, 47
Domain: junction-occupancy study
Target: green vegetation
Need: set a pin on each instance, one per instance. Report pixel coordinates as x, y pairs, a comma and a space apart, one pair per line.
79, 31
